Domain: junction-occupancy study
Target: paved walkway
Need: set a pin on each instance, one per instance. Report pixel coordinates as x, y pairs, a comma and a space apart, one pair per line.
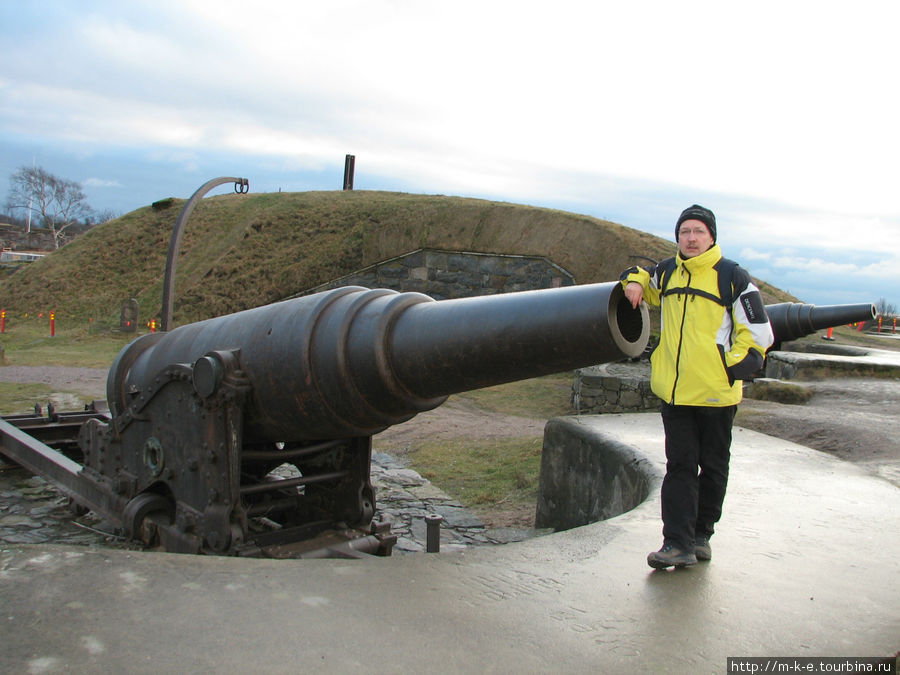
826, 353
806, 563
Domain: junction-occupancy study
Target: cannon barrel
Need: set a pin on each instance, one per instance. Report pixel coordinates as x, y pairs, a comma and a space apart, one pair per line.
793, 320
353, 361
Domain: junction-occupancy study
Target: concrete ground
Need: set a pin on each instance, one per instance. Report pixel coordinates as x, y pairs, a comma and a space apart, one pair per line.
806, 562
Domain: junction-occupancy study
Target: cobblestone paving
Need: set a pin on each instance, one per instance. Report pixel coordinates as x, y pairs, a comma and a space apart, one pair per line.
405, 498
32, 511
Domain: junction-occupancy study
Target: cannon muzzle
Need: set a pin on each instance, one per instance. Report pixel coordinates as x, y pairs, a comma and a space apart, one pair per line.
353, 361
793, 320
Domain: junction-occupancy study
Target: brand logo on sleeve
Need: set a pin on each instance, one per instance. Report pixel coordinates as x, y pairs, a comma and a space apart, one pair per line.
753, 308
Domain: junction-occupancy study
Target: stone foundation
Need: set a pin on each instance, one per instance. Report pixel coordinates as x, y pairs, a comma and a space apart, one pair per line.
457, 274
613, 388
781, 365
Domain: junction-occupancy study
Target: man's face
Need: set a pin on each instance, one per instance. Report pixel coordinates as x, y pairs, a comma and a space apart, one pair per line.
693, 238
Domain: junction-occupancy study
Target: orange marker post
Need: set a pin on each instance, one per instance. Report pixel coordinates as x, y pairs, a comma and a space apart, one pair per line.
52, 324
2, 320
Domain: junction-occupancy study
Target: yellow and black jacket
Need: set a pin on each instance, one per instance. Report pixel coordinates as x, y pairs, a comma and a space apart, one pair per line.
712, 333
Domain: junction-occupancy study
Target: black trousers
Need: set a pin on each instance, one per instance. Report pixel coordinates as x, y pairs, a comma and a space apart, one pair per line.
698, 449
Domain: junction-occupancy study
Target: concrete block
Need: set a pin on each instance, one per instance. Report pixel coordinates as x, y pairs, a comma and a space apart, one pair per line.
587, 476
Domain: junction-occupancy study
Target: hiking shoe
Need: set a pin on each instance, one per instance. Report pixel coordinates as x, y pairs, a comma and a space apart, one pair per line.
670, 556
702, 549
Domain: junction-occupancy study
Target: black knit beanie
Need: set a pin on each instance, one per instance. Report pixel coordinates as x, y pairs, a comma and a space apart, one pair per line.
697, 212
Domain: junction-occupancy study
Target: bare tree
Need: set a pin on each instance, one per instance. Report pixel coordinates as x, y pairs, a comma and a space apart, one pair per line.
885, 308
103, 216
56, 202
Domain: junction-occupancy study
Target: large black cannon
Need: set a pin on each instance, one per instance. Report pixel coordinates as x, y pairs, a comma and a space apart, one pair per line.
248, 433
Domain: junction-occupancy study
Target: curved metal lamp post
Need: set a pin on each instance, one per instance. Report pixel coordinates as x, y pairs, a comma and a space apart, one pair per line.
241, 186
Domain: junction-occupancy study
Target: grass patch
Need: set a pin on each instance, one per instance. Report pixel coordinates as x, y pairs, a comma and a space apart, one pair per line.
547, 396
830, 370
486, 473
483, 473
778, 391
27, 342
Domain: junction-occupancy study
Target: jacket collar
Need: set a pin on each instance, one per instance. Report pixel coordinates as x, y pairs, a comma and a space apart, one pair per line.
703, 261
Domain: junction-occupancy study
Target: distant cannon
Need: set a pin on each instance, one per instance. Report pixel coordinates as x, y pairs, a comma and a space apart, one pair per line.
793, 320
249, 434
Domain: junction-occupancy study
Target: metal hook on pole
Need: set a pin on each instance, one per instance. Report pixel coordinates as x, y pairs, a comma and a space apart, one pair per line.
241, 186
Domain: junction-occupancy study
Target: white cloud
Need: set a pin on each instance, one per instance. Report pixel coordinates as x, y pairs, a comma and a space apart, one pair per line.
823, 276
833, 269
840, 232
101, 183
752, 254
581, 87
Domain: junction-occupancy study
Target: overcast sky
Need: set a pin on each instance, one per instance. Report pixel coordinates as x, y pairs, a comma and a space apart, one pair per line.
783, 117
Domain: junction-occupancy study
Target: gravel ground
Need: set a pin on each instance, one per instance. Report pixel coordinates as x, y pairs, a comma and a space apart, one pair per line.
90, 382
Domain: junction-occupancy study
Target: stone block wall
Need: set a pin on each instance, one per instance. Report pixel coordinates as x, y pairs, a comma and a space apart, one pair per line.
457, 274
614, 388
781, 365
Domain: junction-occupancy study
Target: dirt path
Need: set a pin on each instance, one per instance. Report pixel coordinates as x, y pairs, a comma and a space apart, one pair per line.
90, 382
856, 419
457, 418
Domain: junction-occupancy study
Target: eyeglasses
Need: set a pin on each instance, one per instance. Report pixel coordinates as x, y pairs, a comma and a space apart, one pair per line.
692, 231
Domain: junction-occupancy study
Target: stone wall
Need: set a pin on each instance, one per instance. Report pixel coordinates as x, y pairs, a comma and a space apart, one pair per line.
614, 388
457, 274
586, 475
783, 365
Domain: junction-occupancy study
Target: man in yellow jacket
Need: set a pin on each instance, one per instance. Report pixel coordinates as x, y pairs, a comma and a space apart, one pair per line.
714, 331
